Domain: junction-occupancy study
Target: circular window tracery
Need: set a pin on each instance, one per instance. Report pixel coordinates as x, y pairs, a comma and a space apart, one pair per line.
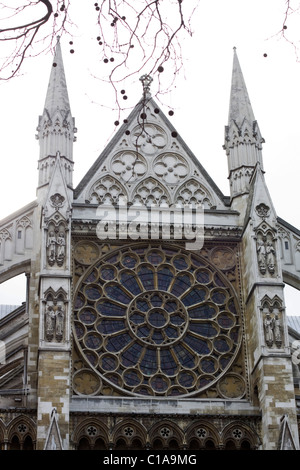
156, 321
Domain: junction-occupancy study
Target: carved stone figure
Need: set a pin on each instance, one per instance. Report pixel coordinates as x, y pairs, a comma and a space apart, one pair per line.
269, 335
270, 257
51, 248
50, 322
59, 329
261, 256
277, 331
61, 244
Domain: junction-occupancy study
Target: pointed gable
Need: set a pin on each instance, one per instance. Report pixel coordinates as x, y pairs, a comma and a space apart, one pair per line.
148, 162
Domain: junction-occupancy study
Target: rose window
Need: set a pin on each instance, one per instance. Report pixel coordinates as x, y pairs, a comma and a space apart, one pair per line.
153, 320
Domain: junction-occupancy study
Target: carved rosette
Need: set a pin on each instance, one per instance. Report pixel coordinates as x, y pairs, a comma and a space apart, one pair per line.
129, 166
171, 167
149, 139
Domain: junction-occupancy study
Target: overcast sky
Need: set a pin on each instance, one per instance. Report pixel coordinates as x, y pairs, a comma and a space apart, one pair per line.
200, 101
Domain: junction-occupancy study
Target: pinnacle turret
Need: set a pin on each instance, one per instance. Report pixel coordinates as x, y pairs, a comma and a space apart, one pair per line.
56, 127
243, 140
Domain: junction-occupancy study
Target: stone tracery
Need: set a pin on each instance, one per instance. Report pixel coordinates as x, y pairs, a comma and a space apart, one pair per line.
156, 321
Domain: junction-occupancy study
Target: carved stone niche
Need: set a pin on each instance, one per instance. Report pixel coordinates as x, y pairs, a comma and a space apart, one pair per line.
54, 315
265, 250
56, 243
271, 310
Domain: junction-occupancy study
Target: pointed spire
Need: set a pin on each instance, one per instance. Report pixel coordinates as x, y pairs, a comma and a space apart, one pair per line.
57, 94
243, 140
240, 105
56, 126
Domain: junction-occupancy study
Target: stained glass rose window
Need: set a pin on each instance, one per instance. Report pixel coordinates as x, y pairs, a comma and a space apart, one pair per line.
156, 321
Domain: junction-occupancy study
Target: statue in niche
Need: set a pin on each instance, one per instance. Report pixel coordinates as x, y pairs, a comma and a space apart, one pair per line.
56, 247
270, 257
50, 322
266, 256
59, 330
273, 334
54, 323
51, 248
261, 256
269, 325
277, 331
61, 244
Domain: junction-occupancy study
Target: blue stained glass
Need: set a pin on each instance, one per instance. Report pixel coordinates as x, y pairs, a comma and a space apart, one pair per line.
167, 363
92, 276
218, 297
225, 321
129, 261
221, 345
79, 302
93, 341
194, 296
132, 354
157, 337
110, 326
156, 301
202, 277
132, 378
157, 319
155, 258
208, 365
181, 284
130, 283
87, 316
202, 311
164, 278
148, 364
142, 305
185, 379
180, 263
143, 332
231, 307
110, 309
109, 363
108, 274
171, 332
204, 329
93, 293
184, 356
79, 331
112, 259
146, 275
116, 343
116, 293
170, 306
159, 384
197, 344
176, 320
219, 281
137, 318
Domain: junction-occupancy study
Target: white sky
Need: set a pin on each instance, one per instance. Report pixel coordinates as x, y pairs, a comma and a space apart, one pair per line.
200, 102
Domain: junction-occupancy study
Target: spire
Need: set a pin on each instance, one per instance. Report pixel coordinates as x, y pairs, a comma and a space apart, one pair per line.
243, 140
56, 126
57, 93
240, 107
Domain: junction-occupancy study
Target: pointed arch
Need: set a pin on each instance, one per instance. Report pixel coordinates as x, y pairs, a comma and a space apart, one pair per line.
106, 190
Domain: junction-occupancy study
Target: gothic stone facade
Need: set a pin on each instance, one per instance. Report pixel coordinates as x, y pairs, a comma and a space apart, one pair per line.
166, 332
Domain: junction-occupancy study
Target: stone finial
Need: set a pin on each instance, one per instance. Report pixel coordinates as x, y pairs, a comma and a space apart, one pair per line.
146, 82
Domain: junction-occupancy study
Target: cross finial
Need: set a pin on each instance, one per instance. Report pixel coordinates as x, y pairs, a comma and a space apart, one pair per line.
146, 82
